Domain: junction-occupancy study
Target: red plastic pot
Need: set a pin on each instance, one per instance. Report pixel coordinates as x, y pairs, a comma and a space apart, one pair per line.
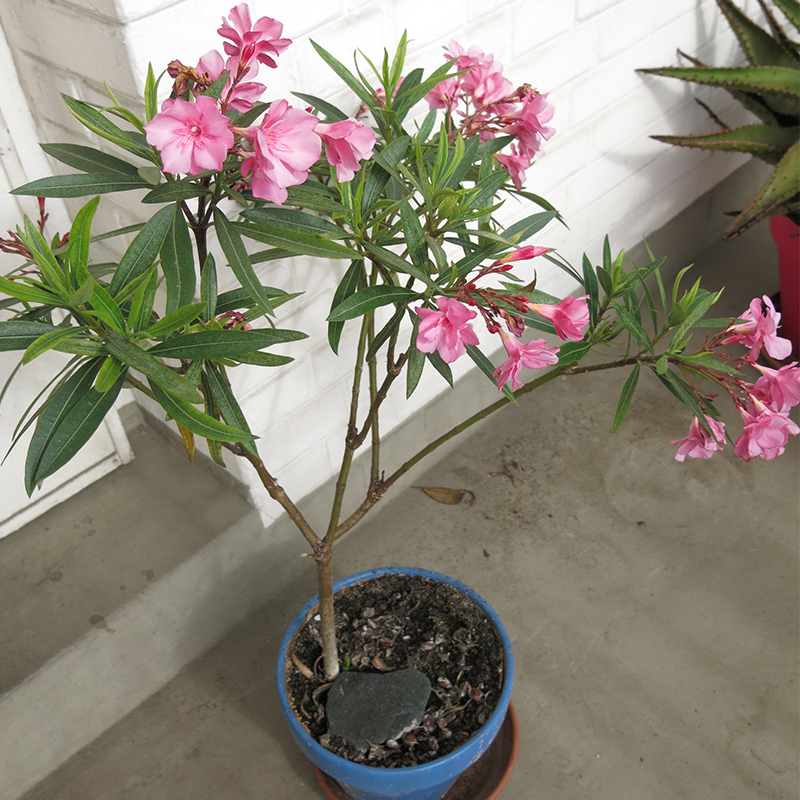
787, 238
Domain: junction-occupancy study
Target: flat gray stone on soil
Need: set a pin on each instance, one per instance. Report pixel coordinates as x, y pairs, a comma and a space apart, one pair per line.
366, 708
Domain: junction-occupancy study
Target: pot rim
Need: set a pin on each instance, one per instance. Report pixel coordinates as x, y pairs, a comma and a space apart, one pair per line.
457, 754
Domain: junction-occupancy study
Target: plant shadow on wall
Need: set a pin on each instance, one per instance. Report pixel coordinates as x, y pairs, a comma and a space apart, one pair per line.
410, 204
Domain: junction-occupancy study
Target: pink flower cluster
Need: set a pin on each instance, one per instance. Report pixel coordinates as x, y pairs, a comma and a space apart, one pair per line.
449, 330
195, 135
488, 105
763, 406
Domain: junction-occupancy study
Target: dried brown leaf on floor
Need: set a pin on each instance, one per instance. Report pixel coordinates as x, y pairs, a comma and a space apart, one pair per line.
304, 670
450, 497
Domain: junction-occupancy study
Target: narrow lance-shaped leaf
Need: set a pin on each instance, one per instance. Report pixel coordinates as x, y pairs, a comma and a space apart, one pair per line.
74, 411
625, 397
487, 368
225, 399
368, 299
79, 239
19, 335
378, 177
49, 340
175, 320
222, 343
415, 238
88, 159
177, 262
143, 250
347, 286
197, 421
141, 309
416, 359
208, 288
80, 185
97, 123
633, 327
236, 253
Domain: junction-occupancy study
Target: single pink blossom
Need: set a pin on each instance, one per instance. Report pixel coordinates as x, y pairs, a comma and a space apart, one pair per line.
249, 42
516, 164
779, 389
245, 92
444, 94
528, 123
569, 317
765, 433
484, 84
285, 147
533, 355
191, 137
759, 329
522, 254
347, 143
447, 330
700, 443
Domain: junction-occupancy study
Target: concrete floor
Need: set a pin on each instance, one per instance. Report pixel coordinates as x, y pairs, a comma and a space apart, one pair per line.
653, 608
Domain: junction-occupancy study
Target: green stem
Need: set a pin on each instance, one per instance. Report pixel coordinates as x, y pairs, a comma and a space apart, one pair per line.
375, 466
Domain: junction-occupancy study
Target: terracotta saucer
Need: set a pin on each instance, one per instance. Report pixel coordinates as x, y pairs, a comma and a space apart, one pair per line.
484, 780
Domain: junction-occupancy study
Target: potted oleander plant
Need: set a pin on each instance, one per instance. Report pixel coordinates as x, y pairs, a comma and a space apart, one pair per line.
404, 191
769, 88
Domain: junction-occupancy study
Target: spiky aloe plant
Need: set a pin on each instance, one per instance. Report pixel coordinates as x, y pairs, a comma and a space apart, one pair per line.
770, 89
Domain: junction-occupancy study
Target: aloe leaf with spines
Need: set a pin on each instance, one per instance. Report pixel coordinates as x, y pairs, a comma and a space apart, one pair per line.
769, 87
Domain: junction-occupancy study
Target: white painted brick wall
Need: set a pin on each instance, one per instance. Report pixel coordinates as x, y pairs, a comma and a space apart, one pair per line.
601, 170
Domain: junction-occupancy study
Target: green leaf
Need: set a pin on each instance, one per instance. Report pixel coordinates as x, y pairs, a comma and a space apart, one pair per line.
141, 309
525, 228
173, 321
222, 344
73, 413
228, 406
215, 90
760, 48
316, 198
791, 8
662, 365
301, 243
234, 249
481, 196
572, 352
177, 262
708, 361
463, 159
767, 142
104, 128
80, 185
105, 308
151, 94
88, 159
208, 288
361, 91
330, 111
48, 341
347, 286
592, 288
416, 359
52, 271
79, 239
292, 220
108, 375
175, 191
26, 292
625, 397
150, 174
487, 368
197, 421
633, 327
427, 126
143, 251
264, 359
144, 362
385, 332
390, 259
378, 176
240, 298
440, 366
18, 335
414, 237
368, 299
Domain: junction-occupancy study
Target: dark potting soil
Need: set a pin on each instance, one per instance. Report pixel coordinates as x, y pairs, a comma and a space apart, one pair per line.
390, 623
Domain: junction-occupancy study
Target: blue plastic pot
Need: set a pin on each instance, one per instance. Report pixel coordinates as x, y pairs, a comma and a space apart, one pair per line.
426, 781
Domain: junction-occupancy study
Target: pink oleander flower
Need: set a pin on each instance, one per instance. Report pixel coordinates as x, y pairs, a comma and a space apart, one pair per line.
447, 330
522, 254
779, 389
700, 443
285, 147
191, 137
245, 93
444, 94
247, 41
533, 355
759, 329
569, 317
765, 433
484, 84
528, 123
516, 164
347, 143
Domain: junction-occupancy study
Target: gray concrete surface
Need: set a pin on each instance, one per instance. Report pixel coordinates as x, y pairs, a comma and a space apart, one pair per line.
653, 608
